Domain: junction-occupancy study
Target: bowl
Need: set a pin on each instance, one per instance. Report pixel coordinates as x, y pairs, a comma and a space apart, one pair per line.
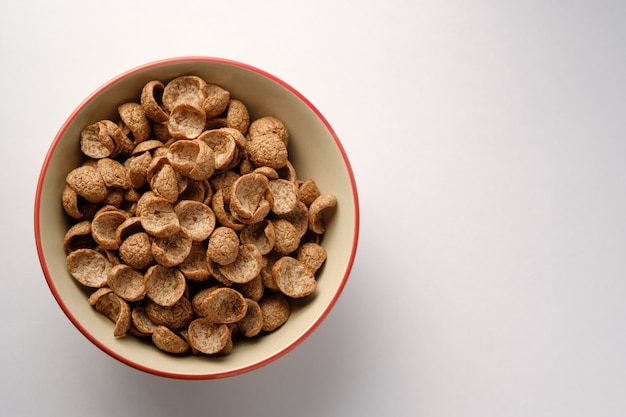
314, 150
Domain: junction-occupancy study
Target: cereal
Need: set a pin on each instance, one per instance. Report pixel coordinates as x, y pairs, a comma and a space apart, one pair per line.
190, 225
164, 285
316, 220
252, 322
260, 234
186, 121
87, 182
269, 124
237, 116
220, 305
104, 226
223, 246
134, 117
187, 89
267, 150
275, 310
284, 196
126, 282
136, 251
151, 92
172, 250
312, 255
293, 278
216, 101
89, 267
95, 141
246, 266
248, 203
208, 337
116, 309
168, 341
78, 236
176, 316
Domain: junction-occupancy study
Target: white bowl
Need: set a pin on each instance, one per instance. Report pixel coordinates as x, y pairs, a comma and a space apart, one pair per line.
315, 152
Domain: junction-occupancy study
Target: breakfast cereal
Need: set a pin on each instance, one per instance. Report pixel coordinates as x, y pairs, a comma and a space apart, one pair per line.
189, 224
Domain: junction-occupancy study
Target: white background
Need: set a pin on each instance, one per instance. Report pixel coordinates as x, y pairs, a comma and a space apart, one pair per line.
488, 141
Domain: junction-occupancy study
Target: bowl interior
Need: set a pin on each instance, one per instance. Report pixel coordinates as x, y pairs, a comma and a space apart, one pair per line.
315, 153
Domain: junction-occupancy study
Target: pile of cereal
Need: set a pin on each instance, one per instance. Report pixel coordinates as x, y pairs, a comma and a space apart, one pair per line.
191, 226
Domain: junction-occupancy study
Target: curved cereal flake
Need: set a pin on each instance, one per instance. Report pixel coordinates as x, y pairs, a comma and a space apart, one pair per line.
260, 234
175, 316
88, 183
168, 341
312, 255
138, 169
224, 181
285, 196
128, 283
293, 278
252, 323
267, 150
113, 173
123, 145
223, 246
223, 216
114, 198
220, 305
207, 337
192, 158
214, 270
140, 319
196, 191
270, 173
237, 116
309, 192
186, 89
196, 219
171, 250
129, 227
149, 145
95, 296
195, 267
164, 285
186, 121
253, 289
246, 266
223, 145
298, 217
136, 251
247, 199
269, 124
275, 310
70, 202
78, 237
117, 310
134, 117
95, 141
151, 96
89, 267
157, 215
287, 237
163, 179
316, 218
104, 227
182, 155
216, 101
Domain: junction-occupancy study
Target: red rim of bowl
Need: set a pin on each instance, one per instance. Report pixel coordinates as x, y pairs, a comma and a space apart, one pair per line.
92, 338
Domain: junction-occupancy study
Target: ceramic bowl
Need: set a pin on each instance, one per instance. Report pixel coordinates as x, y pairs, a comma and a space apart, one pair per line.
315, 151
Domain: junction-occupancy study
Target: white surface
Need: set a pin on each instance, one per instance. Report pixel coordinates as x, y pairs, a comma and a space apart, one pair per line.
488, 143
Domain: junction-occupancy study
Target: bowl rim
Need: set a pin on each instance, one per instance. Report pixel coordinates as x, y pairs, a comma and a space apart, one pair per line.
76, 322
